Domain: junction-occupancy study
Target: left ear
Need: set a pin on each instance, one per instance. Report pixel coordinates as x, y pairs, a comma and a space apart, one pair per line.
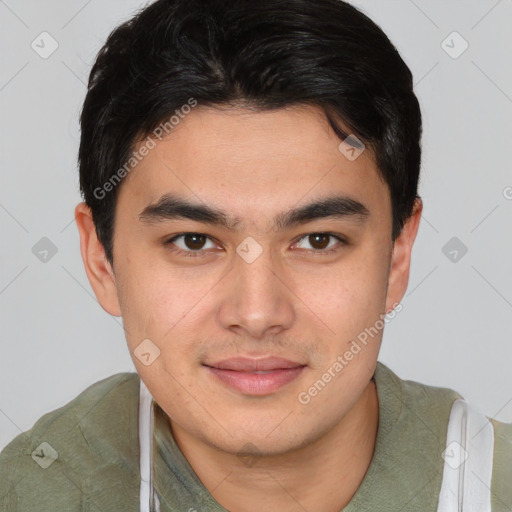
401, 257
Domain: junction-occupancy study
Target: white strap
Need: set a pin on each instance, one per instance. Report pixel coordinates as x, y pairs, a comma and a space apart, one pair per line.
147, 495
145, 431
467, 473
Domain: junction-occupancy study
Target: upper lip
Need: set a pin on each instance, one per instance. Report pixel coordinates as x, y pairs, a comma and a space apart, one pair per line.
247, 364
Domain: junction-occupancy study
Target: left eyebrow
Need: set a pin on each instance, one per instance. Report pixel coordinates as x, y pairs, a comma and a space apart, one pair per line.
171, 206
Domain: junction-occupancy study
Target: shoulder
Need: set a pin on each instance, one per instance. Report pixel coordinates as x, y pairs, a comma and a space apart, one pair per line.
428, 404
427, 408
501, 484
81, 455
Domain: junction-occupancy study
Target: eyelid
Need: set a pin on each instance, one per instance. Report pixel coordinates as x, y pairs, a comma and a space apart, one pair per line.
178, 250
342, 241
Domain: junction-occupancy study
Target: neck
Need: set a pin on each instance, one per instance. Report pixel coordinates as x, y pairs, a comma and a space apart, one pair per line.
322, 476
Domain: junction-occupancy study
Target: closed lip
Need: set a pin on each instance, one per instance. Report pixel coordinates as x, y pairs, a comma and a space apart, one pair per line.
247, 364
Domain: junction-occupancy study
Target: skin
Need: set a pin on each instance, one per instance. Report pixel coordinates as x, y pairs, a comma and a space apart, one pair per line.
291, 301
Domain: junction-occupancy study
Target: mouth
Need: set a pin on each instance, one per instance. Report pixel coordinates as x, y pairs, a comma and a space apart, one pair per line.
256, 377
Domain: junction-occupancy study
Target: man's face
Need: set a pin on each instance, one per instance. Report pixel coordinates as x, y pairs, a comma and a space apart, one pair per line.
255, 290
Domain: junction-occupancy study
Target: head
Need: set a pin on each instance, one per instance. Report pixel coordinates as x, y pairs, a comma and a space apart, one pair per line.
249, 173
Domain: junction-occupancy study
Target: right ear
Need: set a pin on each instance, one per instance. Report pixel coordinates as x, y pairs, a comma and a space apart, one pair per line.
98, 269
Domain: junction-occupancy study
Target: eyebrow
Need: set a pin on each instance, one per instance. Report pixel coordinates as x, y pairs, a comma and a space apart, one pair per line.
171, 207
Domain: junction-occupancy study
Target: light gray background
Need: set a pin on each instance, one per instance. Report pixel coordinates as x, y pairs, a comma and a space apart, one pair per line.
456, 323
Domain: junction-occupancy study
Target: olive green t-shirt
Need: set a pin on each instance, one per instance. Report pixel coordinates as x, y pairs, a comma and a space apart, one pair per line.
85, 455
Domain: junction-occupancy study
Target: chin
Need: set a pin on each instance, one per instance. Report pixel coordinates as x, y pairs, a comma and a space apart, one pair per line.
264, 440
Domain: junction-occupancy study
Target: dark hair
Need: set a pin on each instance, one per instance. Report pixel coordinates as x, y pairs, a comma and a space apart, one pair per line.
264, 54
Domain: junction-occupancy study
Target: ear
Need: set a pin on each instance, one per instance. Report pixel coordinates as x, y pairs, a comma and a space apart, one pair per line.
98, 269
401, 257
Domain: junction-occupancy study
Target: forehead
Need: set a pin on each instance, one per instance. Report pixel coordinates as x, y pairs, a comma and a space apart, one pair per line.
252, 163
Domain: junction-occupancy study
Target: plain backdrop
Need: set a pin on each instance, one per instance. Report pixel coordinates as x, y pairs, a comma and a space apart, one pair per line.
456, 323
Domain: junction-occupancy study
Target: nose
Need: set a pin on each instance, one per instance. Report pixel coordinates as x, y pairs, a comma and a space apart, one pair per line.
257, 297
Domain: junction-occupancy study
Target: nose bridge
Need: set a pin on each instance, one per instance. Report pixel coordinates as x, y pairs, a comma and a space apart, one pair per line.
258, 298
254, 270
255, 274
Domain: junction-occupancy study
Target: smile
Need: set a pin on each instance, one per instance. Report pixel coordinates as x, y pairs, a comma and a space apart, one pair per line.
256, 377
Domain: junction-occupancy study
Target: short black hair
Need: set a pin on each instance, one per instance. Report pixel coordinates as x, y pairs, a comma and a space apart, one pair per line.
264, 54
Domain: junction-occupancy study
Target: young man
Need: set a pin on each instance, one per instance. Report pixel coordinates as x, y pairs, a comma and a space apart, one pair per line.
250, 175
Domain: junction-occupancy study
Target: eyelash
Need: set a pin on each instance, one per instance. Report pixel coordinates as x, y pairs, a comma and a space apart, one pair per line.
199, 253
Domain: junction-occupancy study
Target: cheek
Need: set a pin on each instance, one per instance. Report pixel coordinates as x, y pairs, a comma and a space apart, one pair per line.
348, 296
159, 301
143, 296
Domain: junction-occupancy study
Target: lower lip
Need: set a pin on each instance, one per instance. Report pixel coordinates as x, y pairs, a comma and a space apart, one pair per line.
257, 384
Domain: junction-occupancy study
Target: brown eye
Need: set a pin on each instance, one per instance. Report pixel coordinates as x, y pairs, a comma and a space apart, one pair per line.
190, 244
319, 240
322, 242
194, 241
